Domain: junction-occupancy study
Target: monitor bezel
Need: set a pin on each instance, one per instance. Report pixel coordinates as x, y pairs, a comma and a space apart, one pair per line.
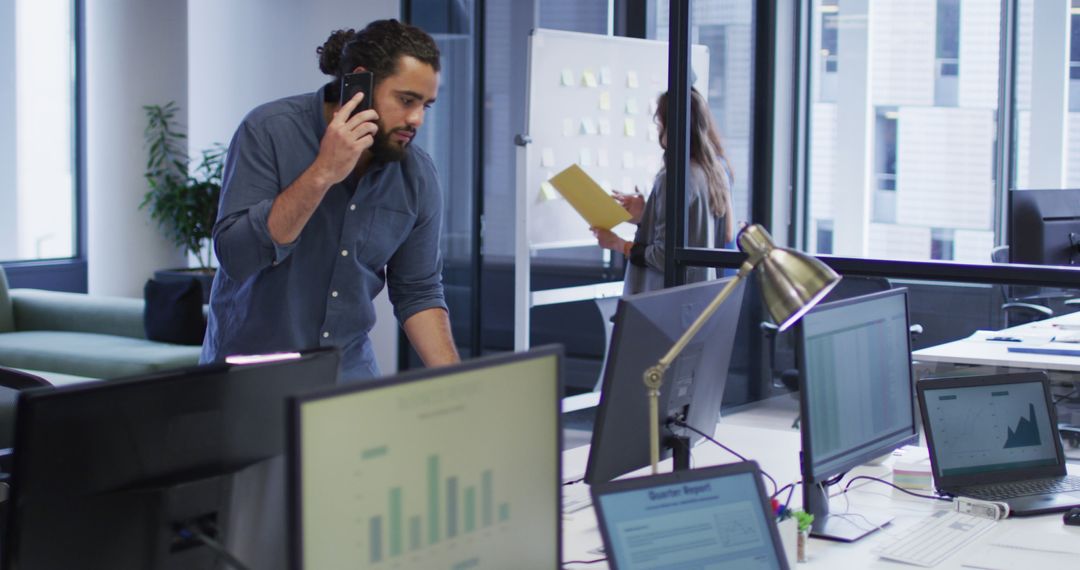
811, 475
294, 452
637, 483
29, 399
946, 482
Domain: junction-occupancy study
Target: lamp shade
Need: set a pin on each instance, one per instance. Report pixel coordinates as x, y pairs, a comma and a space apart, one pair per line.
791, 282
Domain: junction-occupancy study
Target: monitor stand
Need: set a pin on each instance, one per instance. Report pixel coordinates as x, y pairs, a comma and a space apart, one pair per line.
680, 452
844, 527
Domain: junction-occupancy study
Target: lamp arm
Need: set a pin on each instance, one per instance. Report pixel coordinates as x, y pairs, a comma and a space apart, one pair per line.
654, 375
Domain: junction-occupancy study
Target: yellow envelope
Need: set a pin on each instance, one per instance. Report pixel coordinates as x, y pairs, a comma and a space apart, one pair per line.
590, 200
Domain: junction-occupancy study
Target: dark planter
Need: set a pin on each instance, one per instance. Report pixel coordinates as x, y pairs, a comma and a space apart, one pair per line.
205, 277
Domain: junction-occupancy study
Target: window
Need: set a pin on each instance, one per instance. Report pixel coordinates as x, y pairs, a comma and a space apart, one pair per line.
941, 243
37, 130
824, 236
885, 166
947, 72
829, 62
902, 127
1074, 56
1047, 131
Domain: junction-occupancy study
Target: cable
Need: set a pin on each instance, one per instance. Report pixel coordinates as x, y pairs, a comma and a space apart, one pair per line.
215, 546
574, 482
597, 561
683, 424
894, 486
1061, 397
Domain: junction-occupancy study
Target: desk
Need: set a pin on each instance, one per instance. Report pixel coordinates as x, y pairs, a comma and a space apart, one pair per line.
763, 435
976, 352
959, 356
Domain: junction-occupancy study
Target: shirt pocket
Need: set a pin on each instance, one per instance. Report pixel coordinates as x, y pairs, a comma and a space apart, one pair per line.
386, 230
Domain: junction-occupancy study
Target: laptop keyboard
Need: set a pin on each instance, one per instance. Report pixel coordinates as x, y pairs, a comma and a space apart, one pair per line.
1002, 491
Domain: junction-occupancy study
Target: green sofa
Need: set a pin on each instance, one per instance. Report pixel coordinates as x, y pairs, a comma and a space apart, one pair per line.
72, 337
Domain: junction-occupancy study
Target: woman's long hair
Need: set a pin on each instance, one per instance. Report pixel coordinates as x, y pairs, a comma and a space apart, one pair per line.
707, 153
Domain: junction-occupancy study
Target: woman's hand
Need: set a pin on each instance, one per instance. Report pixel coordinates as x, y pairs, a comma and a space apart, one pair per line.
634, 203
608, 240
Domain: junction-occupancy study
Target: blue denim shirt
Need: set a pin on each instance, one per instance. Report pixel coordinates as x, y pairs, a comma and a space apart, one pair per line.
318, 290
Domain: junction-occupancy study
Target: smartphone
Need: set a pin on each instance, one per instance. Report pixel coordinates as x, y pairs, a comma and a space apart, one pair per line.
352, 83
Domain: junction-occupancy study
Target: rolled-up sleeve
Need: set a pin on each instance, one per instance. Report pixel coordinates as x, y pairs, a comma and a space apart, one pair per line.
251, 182
414, 272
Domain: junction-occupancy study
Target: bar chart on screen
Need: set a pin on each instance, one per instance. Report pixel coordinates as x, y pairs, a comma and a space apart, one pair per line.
456, 472
455, 509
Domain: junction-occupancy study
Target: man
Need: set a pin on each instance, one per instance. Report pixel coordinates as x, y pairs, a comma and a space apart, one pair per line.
320, 210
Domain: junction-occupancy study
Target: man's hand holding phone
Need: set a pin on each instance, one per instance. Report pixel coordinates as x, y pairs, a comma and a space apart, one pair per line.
347, 136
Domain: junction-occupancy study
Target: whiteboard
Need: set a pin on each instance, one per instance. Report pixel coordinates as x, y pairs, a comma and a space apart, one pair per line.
591, 101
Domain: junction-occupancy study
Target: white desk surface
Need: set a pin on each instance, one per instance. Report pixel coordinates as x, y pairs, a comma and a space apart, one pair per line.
975, 350
763, 434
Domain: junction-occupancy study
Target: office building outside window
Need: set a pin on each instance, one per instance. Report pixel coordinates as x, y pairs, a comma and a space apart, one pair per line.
1047, 136
37, 130
902, 128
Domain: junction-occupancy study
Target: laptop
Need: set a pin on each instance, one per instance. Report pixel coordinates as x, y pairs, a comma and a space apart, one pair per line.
718, 517
995, 438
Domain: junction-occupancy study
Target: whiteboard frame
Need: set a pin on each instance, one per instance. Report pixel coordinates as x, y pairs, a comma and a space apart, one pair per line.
524, 299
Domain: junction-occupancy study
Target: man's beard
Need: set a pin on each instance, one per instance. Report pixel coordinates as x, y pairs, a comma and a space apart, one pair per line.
385, 150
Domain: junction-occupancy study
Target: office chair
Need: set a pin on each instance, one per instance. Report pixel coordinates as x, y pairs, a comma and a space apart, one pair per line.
1015, 311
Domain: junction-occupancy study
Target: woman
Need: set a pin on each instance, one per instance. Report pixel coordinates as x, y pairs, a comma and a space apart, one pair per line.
711, 222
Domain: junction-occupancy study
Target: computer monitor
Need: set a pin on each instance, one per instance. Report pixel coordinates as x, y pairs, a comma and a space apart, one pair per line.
1044, 226
107, 475
646, 327
454, 467
714, 517
856, 398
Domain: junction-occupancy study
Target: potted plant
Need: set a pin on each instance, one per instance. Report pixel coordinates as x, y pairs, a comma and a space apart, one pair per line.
183, 203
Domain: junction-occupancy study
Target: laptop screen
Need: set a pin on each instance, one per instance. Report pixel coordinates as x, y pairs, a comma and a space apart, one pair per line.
990, 428
704, 523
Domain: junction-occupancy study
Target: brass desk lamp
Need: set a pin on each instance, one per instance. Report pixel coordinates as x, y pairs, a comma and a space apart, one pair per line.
791, 283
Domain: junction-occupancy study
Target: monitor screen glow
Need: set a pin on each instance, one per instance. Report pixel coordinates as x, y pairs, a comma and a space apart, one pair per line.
454, 468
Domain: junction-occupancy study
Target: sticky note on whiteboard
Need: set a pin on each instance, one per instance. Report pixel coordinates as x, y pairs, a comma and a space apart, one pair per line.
627, 159
547, 158
605, 101
605, 76
585, 157
567, 77
588, 78
632, 106
630, 127
548, 192
588, 126
632, 79
604, 126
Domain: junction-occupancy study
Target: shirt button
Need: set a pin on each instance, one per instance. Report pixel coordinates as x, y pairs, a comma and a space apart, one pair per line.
333, 293
352, 206
326, 335
344, 253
